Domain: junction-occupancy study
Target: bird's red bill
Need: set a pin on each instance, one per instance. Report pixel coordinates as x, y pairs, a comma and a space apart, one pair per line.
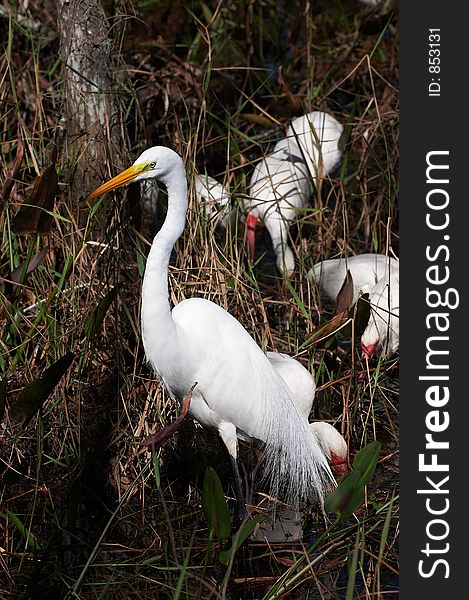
368, 351
339, 464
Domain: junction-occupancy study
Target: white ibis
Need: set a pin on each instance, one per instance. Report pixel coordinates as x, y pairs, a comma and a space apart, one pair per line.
366, 270
282, 181
373, 274
279, 188
332, 443
382, 331
238, 392
317, 134
214, 200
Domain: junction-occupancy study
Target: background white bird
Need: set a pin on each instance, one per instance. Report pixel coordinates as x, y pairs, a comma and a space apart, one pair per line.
382, 331
366, 270
214, 200
332, 443
301, 383
373, 274
279, 188
282, 181
238, 392
385, 4
317, 134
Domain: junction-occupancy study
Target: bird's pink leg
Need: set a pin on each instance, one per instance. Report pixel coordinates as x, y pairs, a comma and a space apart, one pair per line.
251, 223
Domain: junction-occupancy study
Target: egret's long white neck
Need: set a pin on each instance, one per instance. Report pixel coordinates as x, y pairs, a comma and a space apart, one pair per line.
157, 323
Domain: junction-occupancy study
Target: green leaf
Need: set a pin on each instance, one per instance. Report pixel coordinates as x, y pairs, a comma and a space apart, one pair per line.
348, 495
365, 462
256, 119
344, 137
33, 396
352, 571
140, 262
207, 12
156, 469
300, 304
215, 506
94, 322
27, 535
346, 498
385, 532
239, 538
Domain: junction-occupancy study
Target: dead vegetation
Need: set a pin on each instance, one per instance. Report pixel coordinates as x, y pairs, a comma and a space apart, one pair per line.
85, 510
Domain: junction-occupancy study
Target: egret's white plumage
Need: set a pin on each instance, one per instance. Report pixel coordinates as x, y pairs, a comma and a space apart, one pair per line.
373, 274
282, 181
214, 200
238, 391
297, 377
301, 383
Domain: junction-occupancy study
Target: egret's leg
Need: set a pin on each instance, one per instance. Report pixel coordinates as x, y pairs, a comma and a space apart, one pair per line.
227, 433
240, 503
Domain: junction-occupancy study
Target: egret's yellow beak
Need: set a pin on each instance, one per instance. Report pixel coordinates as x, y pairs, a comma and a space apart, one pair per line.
119, 180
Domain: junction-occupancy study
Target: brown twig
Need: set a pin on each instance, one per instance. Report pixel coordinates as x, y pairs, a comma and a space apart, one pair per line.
159, 438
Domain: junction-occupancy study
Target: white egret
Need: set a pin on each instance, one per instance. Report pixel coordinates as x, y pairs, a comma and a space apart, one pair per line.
238, 392
297, 377
373, 274
282, 181
301, 383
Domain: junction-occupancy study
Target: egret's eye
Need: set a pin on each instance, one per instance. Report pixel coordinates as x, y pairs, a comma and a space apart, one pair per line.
152, 165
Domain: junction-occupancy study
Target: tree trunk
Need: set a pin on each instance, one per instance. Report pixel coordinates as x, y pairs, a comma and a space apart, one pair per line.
90, 108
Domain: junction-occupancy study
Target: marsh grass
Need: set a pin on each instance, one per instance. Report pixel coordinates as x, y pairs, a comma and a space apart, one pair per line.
85, 511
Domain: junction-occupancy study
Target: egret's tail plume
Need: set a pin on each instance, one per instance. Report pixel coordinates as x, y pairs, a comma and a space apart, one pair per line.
295, 465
